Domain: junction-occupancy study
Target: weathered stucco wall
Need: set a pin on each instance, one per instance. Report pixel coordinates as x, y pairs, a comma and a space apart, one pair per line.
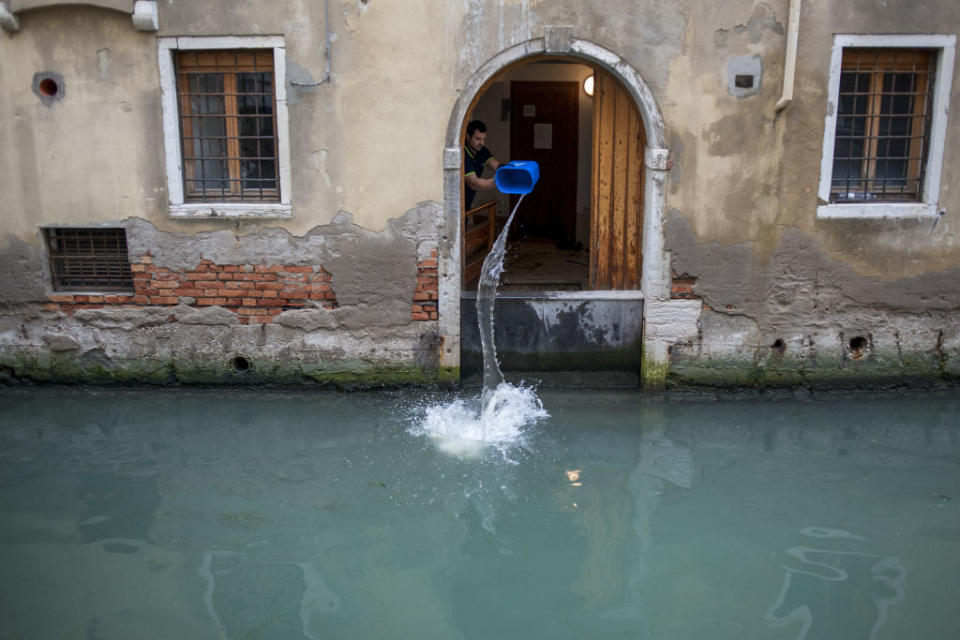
750, 256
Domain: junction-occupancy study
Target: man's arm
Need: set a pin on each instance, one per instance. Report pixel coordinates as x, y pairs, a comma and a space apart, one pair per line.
493, 163
479, 184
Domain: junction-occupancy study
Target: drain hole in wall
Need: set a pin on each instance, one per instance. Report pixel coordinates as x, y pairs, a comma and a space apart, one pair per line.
240, 364
857, 345
48, 87
779, 347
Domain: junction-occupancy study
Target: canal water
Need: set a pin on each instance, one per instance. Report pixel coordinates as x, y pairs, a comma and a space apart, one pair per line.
256, 514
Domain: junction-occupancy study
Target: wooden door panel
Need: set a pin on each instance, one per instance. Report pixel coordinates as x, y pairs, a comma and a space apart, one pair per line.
549, 212
617, 187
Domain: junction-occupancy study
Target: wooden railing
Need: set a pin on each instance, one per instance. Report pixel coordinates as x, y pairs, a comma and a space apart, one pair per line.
478, 230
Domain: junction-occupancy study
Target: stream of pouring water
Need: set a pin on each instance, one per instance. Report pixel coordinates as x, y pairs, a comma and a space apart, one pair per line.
486, 297
505, 409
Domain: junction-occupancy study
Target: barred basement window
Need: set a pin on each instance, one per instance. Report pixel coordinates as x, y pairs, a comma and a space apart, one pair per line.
228, 125
89, 259
883, 123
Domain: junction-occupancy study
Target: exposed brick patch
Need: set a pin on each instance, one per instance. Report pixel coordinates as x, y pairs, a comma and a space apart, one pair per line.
424, 306
682, 287
255, 292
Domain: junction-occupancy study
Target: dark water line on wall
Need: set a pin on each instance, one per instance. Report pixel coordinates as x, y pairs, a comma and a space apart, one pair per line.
486, 295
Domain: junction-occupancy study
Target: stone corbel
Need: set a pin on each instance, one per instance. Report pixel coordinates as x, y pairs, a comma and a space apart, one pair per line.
8, 21
145, 15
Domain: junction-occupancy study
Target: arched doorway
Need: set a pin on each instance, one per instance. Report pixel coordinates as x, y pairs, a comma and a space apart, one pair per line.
628, 220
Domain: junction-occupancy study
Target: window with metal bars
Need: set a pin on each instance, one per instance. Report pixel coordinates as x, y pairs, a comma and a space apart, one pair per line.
228, 125
883, 123
89, 259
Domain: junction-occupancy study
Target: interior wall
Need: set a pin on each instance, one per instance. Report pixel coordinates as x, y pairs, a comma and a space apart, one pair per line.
489, 107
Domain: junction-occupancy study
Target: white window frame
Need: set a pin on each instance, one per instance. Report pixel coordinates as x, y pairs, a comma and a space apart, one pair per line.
926, 207
171, 128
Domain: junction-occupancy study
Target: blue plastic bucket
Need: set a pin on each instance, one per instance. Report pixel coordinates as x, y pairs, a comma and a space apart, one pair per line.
517, 176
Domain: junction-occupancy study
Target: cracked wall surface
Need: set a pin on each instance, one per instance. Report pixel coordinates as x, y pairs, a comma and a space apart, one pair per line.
752, 263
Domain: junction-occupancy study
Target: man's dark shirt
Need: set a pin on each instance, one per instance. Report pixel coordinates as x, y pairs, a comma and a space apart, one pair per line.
473, 162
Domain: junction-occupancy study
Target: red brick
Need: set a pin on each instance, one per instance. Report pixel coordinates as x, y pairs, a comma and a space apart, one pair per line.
269, 293
421, 295
428, 263
321, 277
94, 299
196, 276
163, 300
272, 302
318, 296
262, 268
295, 294
434, 315
415, 308
263, 319
211, 293
208, 302
247, 276
164, 284
138, 268
223, 275
272, 286
419, 316
244, 320
298, 268
51, 306
231, 268
146, 259
165, 275
57, 297
124, 299
249, 302
192, 293
242, 311
140, 299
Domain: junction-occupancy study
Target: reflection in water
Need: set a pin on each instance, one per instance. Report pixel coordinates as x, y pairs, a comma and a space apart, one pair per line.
874, 584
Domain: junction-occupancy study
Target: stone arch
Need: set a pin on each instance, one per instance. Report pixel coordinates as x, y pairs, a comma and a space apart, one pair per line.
558, 41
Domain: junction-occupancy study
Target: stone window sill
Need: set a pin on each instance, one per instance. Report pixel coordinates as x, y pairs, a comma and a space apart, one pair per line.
214, 211
876, 211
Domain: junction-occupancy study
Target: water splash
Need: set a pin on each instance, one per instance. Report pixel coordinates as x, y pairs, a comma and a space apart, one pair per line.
463, 429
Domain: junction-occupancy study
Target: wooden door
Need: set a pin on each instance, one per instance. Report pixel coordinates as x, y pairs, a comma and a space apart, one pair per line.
616, 217
544, 126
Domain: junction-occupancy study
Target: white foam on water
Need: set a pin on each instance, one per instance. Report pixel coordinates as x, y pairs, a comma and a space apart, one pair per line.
462, 429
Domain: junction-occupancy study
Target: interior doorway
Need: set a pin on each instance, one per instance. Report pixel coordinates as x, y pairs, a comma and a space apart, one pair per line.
580, 229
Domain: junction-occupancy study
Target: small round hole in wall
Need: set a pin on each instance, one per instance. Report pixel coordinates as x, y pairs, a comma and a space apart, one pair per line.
857, 346
779, 347
48, 87
240, 364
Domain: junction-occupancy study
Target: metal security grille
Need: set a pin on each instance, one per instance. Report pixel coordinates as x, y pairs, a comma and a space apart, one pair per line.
883, 123
228, 125
89, 259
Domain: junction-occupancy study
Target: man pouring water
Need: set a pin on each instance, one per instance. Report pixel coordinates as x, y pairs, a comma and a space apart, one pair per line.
476, 158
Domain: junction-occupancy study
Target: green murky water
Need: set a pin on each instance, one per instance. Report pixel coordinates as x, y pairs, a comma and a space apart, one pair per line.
242, 514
